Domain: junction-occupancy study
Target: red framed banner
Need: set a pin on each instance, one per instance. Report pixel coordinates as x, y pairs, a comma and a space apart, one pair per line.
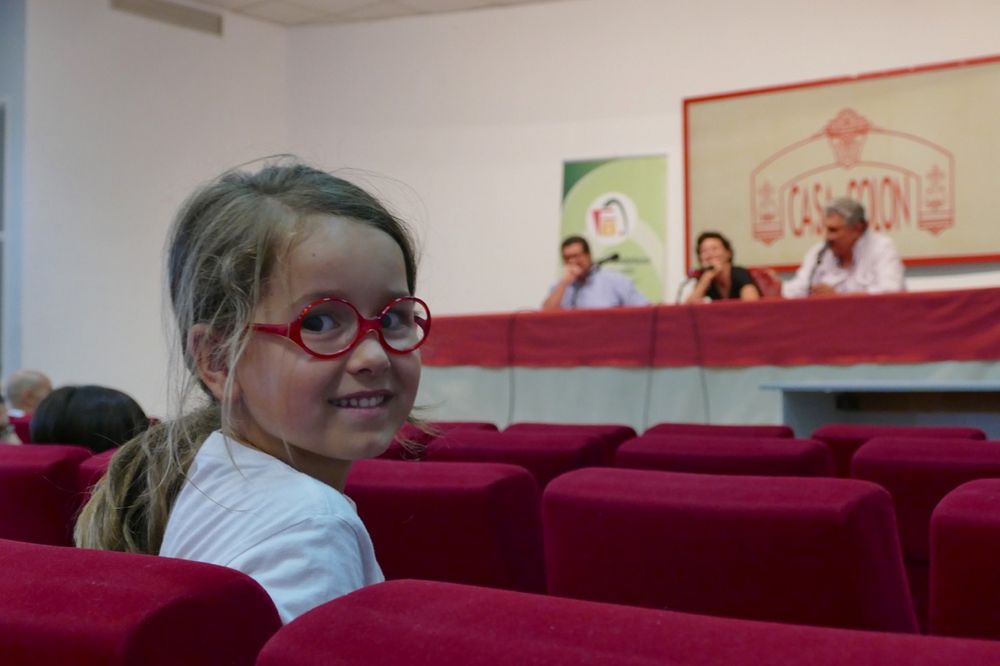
919, 147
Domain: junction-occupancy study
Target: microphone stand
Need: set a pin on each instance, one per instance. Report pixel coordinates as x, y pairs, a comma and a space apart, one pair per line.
819, 260
680, 289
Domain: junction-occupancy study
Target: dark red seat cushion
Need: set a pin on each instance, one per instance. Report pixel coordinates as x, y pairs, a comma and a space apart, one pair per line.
802, 550
545, 454
99, 608
739, 430
965, 549
475, 523
724, 454
411, 440
39, 492
918, 473
416, 623
846, 438
612, 434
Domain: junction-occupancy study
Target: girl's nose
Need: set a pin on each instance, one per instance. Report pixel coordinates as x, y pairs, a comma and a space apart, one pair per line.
368, 355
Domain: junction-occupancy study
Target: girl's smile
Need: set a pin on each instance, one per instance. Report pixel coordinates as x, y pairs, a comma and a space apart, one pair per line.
320, 414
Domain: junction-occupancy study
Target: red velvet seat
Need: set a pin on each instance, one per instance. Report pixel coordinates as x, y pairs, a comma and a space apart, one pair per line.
545, 454
965, 551
415, 623
714, 454
918, 473
22, 428
417, 438
612, 434
93, 468
473, 523
101, 608
809, 551
767, 282
846, 438
720, 429
39, 492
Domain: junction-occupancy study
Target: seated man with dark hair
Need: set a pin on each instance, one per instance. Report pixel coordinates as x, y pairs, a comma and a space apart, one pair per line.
586, 285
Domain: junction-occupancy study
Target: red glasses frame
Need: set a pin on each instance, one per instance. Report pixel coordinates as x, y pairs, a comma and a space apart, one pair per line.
293, 329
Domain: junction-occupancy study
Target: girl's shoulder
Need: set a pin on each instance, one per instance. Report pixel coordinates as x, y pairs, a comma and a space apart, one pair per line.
230, 472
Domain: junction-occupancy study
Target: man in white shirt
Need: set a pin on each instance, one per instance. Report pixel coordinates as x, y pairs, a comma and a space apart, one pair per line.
852, 260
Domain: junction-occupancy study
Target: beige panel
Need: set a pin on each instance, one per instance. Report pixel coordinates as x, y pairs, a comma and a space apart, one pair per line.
919, 149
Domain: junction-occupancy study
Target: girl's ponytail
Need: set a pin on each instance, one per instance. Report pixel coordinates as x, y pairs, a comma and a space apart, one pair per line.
129, 507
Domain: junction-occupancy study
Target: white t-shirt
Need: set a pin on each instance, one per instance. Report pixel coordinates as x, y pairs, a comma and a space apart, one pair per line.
876, 269
299, 538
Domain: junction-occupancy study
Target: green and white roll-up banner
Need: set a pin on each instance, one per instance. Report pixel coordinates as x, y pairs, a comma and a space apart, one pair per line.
619, 205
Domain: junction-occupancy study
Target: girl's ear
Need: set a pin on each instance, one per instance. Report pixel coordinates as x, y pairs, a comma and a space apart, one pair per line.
210, 362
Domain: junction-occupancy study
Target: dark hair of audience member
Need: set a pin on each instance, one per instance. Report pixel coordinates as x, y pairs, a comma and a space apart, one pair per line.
97, 417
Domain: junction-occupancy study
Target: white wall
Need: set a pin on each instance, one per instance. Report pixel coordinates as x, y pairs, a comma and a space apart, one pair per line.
463, 119
124, 117
476, 111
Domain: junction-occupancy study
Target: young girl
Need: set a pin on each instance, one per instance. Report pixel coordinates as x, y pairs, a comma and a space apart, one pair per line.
293, 294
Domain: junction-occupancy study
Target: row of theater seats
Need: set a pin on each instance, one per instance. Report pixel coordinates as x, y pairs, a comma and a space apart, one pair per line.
548, 449
918, 471
96, 608
765, 548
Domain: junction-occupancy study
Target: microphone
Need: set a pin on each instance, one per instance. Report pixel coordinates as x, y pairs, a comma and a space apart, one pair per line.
611, 257
819, 260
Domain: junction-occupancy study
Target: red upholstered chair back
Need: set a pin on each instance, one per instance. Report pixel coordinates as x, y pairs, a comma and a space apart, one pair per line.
965, 549
417, 438
101, 608
918, 473
414, 623
92, 469
22, 428
748, 430
473, 523
612, 434
545, 454
39, 492
715, 454
767, 282
809, 551
846, 438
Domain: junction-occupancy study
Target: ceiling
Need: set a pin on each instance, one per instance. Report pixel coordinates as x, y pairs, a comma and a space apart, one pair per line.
312, 12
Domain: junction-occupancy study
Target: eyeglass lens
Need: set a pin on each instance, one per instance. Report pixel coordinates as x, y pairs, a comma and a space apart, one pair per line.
331, 327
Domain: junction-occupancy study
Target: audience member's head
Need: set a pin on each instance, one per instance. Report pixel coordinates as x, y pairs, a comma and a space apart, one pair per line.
96, 417
25, 389
7, 434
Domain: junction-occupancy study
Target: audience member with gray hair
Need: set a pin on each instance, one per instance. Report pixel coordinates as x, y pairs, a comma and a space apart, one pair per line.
7, 434
852, 259
25, 389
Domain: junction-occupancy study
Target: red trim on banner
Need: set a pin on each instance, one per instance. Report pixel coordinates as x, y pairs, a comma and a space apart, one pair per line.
839, 330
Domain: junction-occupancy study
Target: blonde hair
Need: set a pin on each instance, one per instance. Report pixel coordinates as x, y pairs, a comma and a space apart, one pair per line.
222, 248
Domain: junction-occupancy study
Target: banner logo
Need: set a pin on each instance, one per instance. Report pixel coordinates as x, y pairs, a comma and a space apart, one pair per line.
610, 218
903, 180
